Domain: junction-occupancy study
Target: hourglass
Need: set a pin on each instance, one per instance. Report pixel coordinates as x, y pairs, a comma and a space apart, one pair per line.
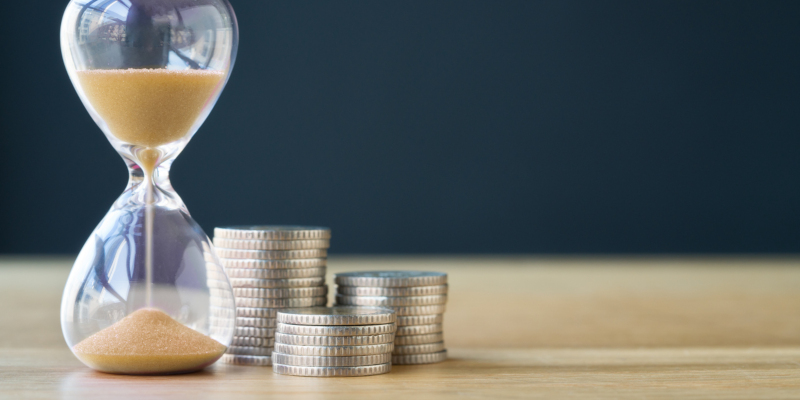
147, 294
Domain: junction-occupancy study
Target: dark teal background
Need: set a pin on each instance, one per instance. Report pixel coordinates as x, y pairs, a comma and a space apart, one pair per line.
448, 126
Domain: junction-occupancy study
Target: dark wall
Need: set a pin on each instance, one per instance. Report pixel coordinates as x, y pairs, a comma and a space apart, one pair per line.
448, 126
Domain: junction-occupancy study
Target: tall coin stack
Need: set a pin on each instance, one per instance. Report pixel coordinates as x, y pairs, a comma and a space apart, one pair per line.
338, 341
270, 268
419, 300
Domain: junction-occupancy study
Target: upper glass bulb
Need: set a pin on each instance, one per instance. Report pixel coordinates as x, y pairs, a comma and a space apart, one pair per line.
149, 71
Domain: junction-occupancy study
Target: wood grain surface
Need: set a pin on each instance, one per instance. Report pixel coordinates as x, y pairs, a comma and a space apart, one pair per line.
515, 327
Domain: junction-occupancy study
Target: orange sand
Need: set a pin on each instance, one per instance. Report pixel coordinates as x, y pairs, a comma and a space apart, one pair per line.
149, 107
148, 341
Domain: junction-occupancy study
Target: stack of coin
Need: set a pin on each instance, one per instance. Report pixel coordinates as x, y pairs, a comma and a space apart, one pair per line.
270, 268
338, 341
419, 300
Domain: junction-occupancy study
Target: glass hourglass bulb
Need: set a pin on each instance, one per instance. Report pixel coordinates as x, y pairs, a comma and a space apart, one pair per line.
147, 294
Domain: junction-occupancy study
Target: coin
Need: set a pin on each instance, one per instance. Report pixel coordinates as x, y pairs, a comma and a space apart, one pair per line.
295, 302
271, 244
221, 302
305, 340
256, 312
245, 321
221, 312
217, 278
351, 330
419, 329
273, 232
312, 361
273, 264
252, 280
272, 254
406, 320
332, 371
281, 293
391, 278
334, 351
349, 315
382, 301
254, 332
217, 286
428, 358
253, 341
220, 331
222, 322
275, 273
220, 293
413, 348
392, 291
247, 360
419, 310
249, 351
417, 339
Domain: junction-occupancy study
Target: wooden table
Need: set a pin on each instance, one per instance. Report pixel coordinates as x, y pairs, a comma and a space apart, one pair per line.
515, 328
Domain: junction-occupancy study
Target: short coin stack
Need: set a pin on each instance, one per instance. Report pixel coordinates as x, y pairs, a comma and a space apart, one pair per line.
270, 268
338, 341
419, 300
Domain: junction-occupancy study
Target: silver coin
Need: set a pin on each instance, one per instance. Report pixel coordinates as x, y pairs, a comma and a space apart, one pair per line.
220, 331
273, 232
281, 293
253, 341
254, 332
256, 312
220, 293
209, 257
222, 312
218, 285
221, 301
419, 329
278, 303
334, 351
249, 351
418, 339
429, 358
222, 322
245, 321
365, 370
391, 278
349, 315
246, 360
306, 340
392, 291
345, 330
254, 282
271, 244
382, 301
300, 273
414, 348
273, 264
313, 361
419, 310
272, 254
407, 320
217, 278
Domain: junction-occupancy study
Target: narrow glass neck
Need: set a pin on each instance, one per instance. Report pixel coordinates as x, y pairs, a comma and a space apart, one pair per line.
158, 175
136, 193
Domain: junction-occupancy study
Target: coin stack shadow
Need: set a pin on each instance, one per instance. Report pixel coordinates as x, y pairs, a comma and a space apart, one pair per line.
269, 268
340, 341
419, 300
